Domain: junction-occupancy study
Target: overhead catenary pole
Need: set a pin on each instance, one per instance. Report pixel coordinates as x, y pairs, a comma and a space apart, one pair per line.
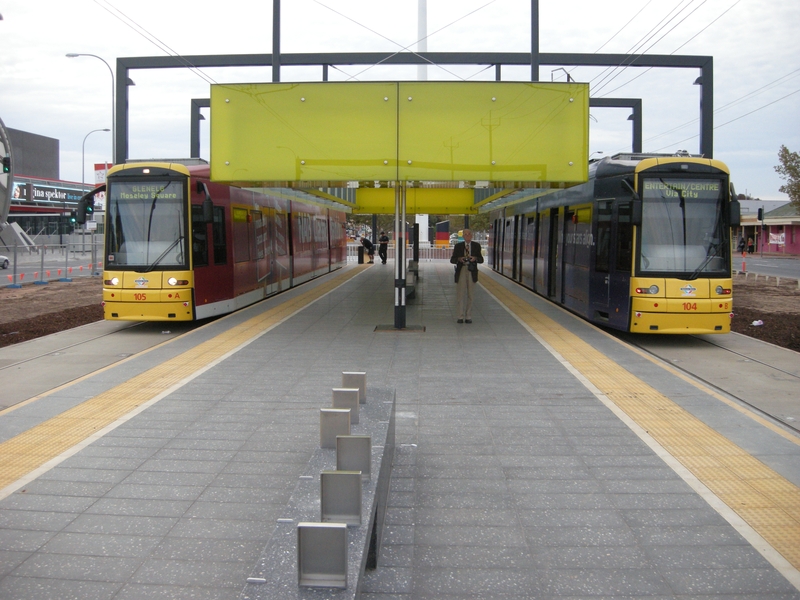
399, 254
276, 40
534, 40
422, 37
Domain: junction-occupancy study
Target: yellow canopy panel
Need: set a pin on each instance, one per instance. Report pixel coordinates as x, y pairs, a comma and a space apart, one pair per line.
328, 133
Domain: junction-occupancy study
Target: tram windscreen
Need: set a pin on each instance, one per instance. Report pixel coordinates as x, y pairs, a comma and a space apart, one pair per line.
146, 225
683, 227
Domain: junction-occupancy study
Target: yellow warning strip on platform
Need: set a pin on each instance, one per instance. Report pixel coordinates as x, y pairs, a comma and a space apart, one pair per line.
765, 500
31, 449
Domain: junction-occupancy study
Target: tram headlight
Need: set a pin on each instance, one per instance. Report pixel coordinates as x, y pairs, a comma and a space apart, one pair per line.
173, 281
112, 281
721, 291
653, 289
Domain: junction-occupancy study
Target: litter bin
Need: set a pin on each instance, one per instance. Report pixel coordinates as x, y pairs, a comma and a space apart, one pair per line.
361, 255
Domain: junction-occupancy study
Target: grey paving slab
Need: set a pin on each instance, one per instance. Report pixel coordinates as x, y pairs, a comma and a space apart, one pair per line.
511, 480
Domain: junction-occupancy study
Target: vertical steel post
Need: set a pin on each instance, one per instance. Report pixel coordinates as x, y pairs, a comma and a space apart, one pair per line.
276, 40
400, 252
534, 40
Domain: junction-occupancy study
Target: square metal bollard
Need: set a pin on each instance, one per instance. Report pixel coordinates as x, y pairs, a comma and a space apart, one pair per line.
347, 398
322, 555
354, 453
333, 422
340, 497
356, 379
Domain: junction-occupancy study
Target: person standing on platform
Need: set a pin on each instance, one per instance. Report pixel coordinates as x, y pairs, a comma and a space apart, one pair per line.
383, 246
369, 247
466, 257
750, 245
741, 246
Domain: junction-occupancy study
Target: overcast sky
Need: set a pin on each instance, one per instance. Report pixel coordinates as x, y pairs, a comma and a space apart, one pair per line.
754, 43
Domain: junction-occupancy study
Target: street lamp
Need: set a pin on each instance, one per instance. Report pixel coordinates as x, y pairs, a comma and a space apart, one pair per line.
113, 108
83, 159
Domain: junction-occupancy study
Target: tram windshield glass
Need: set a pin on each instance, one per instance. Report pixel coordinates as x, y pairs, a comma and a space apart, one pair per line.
146, 225
683, 229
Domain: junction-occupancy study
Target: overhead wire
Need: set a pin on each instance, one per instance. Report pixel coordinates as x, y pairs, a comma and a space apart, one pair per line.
676, 49
129, 22
403, 48
605, 81
732, 103
608, 71
732, 120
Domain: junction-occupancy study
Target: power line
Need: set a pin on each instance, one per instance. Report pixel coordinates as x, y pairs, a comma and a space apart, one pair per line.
125, 19
676, 49
651, 45
403, 48
732, 120
608, 72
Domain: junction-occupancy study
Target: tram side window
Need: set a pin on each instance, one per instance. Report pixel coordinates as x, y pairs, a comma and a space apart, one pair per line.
241, 235
218, 236
603, 244
199, 237
624, 238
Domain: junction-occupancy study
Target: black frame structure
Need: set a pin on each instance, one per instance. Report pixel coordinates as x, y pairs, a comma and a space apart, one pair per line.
704, 63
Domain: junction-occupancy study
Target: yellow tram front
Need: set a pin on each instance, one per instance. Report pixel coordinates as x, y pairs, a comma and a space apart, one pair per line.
682, 276
147, 275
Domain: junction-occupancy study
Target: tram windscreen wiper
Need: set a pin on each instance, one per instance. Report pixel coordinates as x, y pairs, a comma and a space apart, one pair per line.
163, 254
707, 260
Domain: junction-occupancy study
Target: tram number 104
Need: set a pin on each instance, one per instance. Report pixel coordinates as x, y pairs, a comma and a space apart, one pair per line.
688, 306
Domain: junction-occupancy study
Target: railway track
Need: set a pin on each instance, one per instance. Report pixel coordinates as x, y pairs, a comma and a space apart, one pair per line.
772, 373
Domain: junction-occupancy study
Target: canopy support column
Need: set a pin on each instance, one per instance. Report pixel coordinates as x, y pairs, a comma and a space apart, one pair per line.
400, 255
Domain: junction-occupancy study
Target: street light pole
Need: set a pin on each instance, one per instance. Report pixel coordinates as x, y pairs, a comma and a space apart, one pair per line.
83, 182
83, 158
113, 107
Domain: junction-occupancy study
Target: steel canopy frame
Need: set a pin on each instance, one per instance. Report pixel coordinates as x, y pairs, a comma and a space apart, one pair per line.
704, 63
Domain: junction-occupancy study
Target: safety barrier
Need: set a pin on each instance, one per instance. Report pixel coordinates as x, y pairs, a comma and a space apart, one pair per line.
426, 253
52, 262
332, 529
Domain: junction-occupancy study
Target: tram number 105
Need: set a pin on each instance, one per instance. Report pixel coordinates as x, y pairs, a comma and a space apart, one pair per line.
143, 297
690, 306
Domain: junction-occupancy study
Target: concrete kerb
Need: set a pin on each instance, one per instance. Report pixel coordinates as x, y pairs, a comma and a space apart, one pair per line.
275, 575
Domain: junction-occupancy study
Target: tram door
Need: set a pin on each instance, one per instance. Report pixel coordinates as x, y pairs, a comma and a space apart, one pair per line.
620, 276
610, 279
508, 246
553, 262
601, 276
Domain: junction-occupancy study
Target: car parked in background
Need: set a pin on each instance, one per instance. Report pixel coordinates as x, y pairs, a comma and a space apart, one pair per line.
3, 261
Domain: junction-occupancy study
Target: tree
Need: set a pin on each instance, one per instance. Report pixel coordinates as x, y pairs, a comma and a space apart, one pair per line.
789, 169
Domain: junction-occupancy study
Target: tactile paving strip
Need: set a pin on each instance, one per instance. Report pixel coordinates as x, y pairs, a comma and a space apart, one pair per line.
31, 449
764, 499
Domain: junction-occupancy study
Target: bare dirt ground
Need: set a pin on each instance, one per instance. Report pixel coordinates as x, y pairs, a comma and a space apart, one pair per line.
36, 310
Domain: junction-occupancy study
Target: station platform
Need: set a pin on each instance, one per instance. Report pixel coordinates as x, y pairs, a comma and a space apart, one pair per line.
537, 457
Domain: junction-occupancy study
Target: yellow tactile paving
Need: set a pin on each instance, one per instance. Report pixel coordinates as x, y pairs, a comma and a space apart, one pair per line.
29, 450
768, 502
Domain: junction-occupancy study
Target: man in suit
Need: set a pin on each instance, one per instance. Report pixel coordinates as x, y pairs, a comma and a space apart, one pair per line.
466, 257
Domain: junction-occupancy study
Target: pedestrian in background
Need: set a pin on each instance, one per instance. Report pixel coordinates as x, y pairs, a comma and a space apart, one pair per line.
383, 246
370, 249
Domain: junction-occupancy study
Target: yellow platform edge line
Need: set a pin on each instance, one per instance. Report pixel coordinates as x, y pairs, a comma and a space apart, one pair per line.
29, 450
645, 408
